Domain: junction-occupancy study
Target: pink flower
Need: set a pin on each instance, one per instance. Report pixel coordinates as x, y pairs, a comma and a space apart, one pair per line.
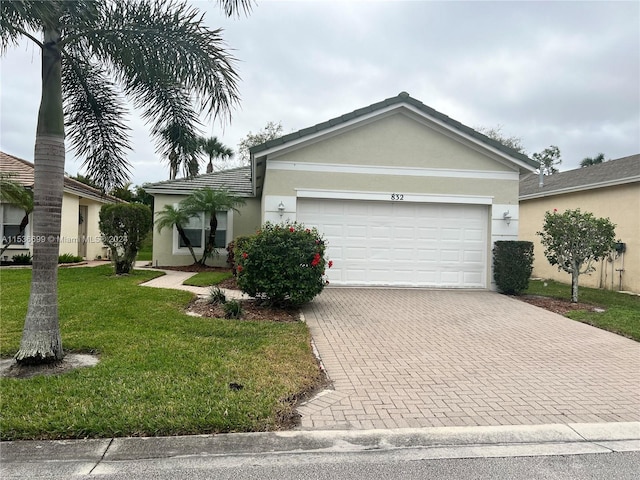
555, 210
330, 263
239, 268
307, 230
291, 229
245, 255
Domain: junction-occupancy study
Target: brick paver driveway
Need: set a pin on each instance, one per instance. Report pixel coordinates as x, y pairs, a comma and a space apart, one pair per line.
422, 358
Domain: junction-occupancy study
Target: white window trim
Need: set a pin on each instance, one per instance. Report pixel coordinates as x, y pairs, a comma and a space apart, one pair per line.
27, 231
176, 250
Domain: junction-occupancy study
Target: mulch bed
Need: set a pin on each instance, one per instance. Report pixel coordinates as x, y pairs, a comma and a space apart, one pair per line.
557, 305
251, 310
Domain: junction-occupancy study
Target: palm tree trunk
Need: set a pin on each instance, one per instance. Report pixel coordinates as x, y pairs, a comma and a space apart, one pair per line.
187, 242
211, 241
41, 340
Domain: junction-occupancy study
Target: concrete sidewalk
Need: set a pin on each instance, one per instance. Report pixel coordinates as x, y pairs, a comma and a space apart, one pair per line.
96, 456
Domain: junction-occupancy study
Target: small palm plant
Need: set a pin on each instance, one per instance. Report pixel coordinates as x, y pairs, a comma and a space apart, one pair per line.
210, 201
170, 217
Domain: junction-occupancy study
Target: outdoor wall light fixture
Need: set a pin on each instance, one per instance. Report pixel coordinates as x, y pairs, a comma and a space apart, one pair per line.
281, 209
506, 216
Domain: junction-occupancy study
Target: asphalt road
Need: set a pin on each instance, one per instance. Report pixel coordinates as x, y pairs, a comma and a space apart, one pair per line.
403, 464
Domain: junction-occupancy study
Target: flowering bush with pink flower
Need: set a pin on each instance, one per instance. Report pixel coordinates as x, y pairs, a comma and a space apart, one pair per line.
283, 264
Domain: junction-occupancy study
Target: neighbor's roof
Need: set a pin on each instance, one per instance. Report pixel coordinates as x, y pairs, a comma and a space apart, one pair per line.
402, 98
236, 180
22, 172
606, 174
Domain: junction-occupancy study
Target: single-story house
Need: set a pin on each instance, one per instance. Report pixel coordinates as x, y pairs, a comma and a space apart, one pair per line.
610, 189
79, 232
403, 194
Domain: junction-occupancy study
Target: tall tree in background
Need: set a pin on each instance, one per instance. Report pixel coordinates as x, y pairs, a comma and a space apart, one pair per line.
159, 54
214, 149
178, 142
270, 132
588, 161
496, 134
548, 158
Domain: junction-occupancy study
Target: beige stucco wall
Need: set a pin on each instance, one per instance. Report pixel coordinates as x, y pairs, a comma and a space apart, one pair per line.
69, 224
621, 204
95, 247
396, 139
244, 222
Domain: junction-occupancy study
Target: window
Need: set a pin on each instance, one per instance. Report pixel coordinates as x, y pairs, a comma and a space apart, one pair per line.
11, 218
197, 231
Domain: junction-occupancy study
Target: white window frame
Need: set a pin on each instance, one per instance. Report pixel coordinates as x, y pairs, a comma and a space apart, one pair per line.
177, 250
27, 231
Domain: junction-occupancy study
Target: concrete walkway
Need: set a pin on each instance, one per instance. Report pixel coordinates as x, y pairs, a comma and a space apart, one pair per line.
174, 279
427, 358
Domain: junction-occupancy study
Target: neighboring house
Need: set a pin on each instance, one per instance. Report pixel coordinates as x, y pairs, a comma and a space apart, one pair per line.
610, 189
79, 233
403, 194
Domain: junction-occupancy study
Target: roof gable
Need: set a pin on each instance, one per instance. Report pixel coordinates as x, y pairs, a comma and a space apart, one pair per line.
402, 100
606, 174
236, 180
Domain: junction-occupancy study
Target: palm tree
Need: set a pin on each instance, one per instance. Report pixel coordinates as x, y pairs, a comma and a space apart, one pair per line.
214, 148
209, 201
180, 144
159, 54
171, 217
588, 161
15, 194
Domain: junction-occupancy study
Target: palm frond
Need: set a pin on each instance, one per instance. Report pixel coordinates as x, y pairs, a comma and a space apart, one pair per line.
234, 7
94, 114
15, 194
146, 43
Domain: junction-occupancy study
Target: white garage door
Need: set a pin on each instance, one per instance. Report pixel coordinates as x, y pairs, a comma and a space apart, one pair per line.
400, 243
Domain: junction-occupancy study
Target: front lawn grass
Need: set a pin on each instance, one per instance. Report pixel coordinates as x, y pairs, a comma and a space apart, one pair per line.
161, 372
622, 311
207, 279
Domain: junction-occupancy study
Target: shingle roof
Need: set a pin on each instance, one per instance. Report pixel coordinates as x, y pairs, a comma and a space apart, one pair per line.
613, 172
236, 180
22, 172
403, 97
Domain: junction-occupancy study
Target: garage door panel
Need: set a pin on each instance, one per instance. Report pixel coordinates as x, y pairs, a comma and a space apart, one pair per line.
385, 243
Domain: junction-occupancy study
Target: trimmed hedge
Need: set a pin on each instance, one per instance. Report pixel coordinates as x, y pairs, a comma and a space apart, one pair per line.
512, 265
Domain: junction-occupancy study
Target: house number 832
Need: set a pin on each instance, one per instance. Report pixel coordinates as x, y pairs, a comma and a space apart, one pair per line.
397, 196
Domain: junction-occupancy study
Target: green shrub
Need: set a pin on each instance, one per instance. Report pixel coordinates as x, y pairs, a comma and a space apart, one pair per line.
69, 258
232, 309
282, 264
22, 259
512, 266
217, 296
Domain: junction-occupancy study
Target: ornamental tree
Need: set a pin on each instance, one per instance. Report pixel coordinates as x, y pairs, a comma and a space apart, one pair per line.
282, 264
123, 227
574, 241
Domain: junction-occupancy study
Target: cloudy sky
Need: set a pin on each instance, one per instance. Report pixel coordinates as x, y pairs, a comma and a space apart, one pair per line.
551, 73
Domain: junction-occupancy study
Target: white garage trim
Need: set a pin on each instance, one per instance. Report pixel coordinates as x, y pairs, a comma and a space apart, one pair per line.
401, 244
392, 196
390, 170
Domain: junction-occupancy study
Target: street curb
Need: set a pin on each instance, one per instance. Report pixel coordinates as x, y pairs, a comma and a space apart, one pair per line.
466, 441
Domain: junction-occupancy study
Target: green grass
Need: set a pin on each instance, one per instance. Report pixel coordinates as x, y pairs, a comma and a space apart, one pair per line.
161, 372
145, 252
206, 279
622, 315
